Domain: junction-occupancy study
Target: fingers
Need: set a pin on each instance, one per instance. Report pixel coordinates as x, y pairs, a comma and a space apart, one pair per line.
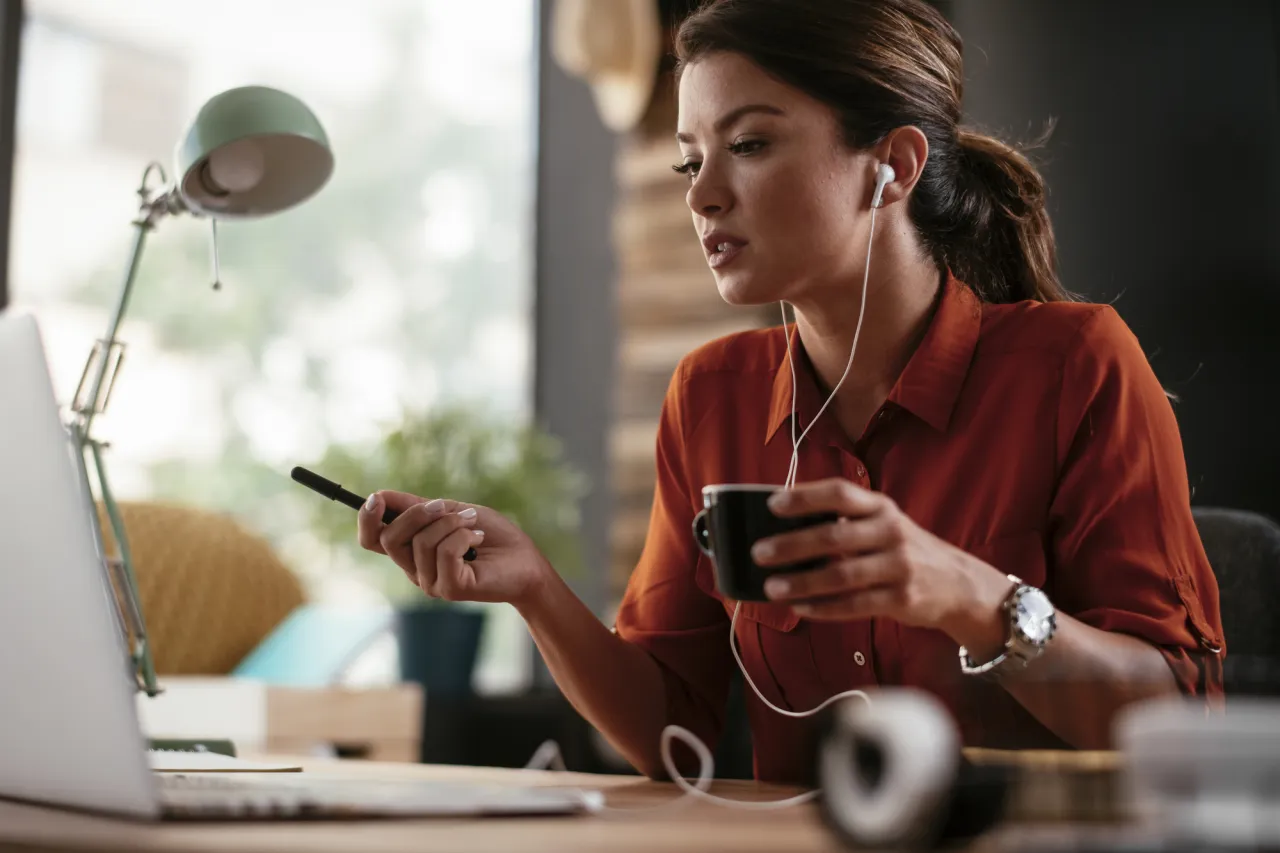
840, 577
846, 536
833, 495
415, 513
880, 601
400, 532
424, 544
454, 578
369, 524
410, 546
401, 501
396, 539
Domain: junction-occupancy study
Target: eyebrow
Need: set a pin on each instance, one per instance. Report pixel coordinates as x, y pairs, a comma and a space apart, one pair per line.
732, 116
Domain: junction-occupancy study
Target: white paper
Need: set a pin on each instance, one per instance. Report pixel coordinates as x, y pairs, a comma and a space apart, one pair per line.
207, 709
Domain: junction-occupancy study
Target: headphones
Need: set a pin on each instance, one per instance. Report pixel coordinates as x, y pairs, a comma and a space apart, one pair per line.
892, 775
884, 174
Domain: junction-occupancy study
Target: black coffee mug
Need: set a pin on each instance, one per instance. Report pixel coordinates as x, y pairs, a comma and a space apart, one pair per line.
735, 517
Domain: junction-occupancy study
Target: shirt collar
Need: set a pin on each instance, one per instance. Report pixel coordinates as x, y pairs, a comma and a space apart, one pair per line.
931, 382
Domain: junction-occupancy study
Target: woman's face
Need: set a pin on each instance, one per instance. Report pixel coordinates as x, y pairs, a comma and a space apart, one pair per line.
778, 200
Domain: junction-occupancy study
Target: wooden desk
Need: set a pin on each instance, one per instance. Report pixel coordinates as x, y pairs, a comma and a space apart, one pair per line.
1055, 790
698, 826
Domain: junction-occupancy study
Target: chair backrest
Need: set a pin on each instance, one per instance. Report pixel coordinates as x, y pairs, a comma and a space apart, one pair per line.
1244, 551
210, 590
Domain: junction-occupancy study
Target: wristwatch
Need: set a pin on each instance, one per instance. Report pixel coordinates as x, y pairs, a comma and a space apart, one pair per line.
1032, 622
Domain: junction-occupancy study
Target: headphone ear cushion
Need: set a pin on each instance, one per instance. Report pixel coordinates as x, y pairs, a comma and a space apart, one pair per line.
892, 775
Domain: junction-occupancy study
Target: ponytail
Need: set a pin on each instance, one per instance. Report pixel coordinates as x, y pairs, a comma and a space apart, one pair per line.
1000, 241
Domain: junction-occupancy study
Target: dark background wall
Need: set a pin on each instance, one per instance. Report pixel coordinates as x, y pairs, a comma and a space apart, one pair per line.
1164, 171
11, 12
574, 323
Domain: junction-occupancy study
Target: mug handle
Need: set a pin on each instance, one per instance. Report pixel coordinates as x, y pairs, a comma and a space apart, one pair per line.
701, 534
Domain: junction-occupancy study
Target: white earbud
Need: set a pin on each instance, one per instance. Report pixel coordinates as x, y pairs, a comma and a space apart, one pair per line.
884, 174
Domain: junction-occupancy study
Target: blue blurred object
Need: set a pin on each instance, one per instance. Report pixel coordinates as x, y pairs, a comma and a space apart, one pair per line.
314, 646
439, 646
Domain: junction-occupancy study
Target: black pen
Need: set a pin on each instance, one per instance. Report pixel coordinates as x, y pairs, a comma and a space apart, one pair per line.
335, 492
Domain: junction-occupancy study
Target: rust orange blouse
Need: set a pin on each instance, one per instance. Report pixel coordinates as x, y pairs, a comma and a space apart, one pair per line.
1034, 436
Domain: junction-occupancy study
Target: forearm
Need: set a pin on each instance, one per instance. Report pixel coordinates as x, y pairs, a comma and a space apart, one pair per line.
615, 685
1085, 676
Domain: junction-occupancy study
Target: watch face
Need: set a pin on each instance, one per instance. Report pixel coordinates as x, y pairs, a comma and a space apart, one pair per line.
1035, 616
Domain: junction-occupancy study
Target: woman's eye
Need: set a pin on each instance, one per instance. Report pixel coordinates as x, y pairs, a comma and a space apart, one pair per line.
741, 148
747, 146
689, 168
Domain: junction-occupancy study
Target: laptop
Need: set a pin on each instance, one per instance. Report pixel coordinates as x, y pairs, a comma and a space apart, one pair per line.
69, 731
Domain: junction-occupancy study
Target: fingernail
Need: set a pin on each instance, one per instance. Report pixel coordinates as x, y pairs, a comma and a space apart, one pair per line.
802, 609
372, 502
479, 534
776, 587
762, 550
779, 500
469, 512
433, 506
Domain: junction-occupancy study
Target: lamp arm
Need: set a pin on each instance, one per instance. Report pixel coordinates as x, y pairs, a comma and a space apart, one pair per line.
91, 397
107, 353
125, 582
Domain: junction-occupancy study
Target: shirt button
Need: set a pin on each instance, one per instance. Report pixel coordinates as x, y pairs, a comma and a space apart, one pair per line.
862, 472
859, 659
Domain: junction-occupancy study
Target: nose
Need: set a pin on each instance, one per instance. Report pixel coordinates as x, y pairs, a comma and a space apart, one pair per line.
709, 194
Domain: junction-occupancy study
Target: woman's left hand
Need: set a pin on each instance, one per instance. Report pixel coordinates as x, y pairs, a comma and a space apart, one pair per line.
880, 563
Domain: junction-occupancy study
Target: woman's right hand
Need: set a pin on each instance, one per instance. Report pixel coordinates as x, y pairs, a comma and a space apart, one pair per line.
428, 539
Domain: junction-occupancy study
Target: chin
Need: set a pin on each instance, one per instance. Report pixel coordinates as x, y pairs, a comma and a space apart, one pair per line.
739, 288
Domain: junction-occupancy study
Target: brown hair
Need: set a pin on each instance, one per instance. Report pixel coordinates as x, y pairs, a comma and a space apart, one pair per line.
979, 205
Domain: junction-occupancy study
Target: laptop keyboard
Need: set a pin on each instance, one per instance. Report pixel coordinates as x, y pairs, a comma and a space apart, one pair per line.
224, 795
296, 795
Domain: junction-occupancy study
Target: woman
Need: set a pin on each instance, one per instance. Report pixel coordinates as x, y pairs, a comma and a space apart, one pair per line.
994, 450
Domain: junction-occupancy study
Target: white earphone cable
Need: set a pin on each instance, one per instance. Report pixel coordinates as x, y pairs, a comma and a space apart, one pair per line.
857, 332
549, 751
548, 754
848, 694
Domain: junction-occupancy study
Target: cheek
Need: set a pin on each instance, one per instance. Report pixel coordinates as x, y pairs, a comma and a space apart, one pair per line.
799, 212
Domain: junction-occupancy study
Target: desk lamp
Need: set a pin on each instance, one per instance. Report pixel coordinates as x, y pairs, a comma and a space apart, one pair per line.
249, 152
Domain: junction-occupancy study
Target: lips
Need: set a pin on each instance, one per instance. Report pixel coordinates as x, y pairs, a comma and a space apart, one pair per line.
722, 248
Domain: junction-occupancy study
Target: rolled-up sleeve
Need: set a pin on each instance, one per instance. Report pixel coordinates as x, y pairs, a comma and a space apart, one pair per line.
1127, 556
663, 610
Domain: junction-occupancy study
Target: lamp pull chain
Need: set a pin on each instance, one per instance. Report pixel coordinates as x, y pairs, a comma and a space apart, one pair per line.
217, 274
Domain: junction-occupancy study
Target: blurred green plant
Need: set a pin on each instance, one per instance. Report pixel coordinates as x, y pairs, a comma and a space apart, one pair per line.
460, 453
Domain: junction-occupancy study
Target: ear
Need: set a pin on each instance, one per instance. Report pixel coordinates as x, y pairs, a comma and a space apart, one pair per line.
906, 149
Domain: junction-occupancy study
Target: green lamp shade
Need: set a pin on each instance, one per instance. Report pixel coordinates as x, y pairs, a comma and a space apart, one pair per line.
250, 152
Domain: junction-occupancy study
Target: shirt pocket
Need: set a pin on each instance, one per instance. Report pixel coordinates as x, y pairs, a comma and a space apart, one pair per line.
773, 652
764, 634
779, 617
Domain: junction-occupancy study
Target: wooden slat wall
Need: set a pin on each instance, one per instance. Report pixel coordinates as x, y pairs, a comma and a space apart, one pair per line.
668, 304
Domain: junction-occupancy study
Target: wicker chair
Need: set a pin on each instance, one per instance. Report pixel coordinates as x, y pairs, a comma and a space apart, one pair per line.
210, 591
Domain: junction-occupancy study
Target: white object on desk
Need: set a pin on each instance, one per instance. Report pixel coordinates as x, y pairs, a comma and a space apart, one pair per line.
182, 761
198, 708
1205, 778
